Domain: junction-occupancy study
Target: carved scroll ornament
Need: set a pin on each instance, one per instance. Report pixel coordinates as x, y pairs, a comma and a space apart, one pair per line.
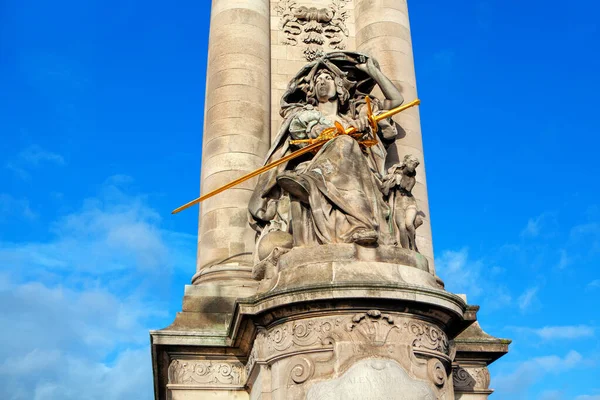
205, 372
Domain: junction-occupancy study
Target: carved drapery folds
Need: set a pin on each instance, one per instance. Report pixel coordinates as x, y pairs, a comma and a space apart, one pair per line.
313, 27
206, 373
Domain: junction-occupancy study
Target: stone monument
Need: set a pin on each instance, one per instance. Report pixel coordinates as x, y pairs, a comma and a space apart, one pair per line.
315, 278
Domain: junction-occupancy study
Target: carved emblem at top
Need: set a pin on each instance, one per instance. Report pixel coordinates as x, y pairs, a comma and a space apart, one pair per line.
314, 27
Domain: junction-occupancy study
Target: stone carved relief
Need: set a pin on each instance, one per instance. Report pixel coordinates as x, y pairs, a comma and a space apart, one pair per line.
254, 353
335, 193
205, 372
302, 369
468, 379
437, 372
429, 337
314, 27
374, 326
314, 341
300, 334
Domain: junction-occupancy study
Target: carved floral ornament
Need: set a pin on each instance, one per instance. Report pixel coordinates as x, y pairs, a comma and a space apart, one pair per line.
370, 331
205, 372
314, 27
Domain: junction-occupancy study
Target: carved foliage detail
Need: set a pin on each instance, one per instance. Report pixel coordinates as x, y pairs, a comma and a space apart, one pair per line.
301, 333
314, 27
428, 337
373, 326
471, 378
205, 372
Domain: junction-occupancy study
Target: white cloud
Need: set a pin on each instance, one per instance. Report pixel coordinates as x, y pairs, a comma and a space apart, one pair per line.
60, 340
113, 233
76, 309
532, 370
528, 299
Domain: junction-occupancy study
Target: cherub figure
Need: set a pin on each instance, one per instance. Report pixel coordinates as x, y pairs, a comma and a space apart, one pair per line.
397, 187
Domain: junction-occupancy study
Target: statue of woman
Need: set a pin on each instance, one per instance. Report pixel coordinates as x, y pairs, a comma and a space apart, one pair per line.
333, 196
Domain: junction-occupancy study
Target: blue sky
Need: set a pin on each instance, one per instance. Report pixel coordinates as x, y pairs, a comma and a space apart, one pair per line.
101, 124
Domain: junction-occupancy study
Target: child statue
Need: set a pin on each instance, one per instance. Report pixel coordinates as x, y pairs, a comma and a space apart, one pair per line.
397, 187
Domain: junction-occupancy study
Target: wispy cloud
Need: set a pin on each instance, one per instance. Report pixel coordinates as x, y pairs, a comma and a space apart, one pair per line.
564, 260
9, 206
460, 274
463, 275
552, 395
19, 172
528, 298
595, 284
35, 155
545, 223
32, 157
559, 332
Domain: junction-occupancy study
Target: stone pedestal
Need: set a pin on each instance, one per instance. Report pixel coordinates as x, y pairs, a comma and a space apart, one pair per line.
334, 334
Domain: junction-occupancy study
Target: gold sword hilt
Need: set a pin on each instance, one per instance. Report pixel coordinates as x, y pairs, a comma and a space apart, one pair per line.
333, 132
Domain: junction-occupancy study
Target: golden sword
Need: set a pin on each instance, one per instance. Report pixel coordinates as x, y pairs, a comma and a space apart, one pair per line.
313, 144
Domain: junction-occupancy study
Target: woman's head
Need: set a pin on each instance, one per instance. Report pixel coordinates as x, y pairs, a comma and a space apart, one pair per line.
326, 86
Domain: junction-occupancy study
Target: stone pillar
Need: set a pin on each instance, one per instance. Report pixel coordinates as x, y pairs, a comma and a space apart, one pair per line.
383, 31
236, 135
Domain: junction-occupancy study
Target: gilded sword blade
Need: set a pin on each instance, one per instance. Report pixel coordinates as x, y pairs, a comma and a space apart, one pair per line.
313, 144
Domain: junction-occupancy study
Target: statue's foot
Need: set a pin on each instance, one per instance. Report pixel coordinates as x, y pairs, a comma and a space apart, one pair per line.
364, 237
294, 184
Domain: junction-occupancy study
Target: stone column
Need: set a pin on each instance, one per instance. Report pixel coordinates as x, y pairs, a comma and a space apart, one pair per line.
383, 31
236, 135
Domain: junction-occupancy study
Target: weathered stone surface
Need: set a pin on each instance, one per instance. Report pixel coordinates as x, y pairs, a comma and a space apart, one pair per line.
347, 263
372, 379
238, 85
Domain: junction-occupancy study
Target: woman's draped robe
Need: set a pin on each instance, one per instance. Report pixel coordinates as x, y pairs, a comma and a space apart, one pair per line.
342, 180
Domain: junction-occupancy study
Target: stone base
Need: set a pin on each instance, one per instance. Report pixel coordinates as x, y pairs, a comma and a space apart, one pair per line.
343, 322
298, 343
339, 263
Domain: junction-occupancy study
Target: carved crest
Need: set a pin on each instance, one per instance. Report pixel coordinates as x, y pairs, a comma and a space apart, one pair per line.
314, 27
